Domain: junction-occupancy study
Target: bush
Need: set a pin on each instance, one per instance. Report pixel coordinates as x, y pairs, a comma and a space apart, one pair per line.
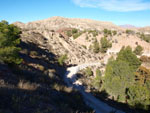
114, 32
62, 59
69, 34
98, 72
10, 55
88, 72
129, 31
105, 44
145, 37
74, 31
97, 82
138, 50
76, 35
107, 32
96, 47
84, 46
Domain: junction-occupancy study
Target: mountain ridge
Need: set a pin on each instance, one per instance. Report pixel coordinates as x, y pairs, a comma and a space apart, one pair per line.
57, 22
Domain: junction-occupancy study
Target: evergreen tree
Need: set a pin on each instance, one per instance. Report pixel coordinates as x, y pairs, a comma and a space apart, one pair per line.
9, 39
128, 56
118, 77
139, 96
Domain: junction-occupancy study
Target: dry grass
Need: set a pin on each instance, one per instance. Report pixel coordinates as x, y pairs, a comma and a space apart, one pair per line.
37, 66
27, 85
62, 88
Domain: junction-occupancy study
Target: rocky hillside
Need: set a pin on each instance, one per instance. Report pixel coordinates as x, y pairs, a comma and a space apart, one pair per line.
57, 36
56, 23
49, 43
35, 85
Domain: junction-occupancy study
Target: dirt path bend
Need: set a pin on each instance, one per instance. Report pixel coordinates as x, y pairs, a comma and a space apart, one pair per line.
90, 100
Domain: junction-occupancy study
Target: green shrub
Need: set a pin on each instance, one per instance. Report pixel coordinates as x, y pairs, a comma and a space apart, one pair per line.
10, 55
107, 32
105, 44
98, 72
129, 31
76, 35
84, 46
97, 81
114, 32
96, 46
62, 59
138, 50
74, 31
145, 37
69, 34
88, 72
93, 32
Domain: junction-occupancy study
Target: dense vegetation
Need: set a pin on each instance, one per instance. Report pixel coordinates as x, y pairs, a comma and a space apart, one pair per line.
126, 81
128, 56
9, 39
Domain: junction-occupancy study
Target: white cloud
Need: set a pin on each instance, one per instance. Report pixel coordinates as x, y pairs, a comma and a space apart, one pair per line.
115, 5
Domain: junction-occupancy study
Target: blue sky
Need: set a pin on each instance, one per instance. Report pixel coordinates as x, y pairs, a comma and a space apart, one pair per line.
134, 12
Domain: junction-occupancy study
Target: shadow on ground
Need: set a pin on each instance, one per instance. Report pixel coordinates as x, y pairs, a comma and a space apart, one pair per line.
117, 105
36, 85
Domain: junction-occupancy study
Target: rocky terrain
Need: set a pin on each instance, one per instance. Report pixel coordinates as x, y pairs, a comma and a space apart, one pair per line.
54, 38
52, 45
56, 23
48, 48
36, 85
